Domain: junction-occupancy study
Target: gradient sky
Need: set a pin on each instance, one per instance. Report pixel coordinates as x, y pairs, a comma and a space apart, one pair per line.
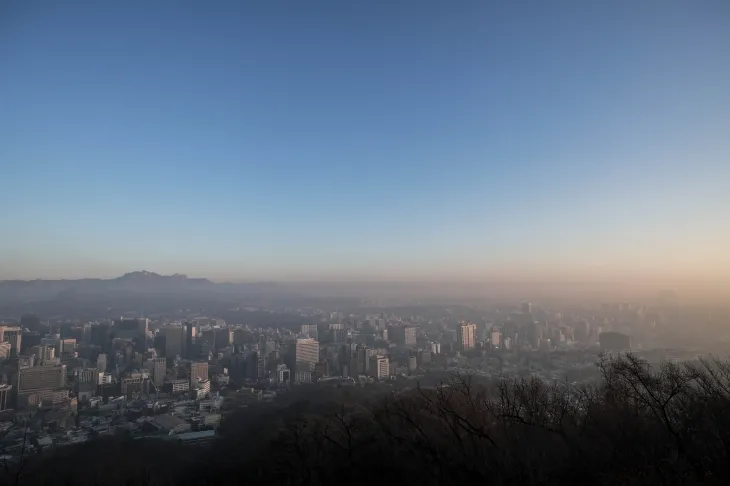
365, 139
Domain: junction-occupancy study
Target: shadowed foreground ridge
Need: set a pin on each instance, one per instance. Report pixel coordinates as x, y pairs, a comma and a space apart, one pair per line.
642, 425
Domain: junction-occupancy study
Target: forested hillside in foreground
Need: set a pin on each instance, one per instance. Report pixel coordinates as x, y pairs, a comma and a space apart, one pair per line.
669, 425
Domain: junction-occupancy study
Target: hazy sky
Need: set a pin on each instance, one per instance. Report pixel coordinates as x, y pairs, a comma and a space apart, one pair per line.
365, 139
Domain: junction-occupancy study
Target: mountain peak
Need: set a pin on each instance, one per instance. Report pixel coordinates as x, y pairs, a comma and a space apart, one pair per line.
139, 275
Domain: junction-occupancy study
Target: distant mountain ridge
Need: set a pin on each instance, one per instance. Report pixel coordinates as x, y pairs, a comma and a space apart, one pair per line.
133, 282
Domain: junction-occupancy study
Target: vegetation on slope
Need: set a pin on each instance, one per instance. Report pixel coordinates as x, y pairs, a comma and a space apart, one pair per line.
641, 425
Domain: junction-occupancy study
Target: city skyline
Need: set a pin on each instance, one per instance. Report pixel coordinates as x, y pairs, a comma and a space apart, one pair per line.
420, 141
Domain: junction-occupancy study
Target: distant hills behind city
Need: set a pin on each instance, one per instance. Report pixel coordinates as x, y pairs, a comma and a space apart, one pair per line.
151, 284
140, 282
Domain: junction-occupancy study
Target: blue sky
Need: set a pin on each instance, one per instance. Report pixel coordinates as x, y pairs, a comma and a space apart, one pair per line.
372, 139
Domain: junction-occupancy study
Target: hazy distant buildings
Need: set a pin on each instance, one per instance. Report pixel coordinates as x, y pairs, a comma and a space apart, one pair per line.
134, 330
496, 338
175, 336
282, 377
101, 362
614, 341
100, 335
467, 336
222, 338
198, 373
157, 369
5, 397
131, 385
13, 335
532, 332
403, 335
31, 322
189, 346
67, 347
310, 331
379, 367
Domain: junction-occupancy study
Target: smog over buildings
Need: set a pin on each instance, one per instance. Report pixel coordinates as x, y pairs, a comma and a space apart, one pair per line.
367, 242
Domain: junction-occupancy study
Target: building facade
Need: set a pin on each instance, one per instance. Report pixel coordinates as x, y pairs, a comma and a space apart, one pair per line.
467, 336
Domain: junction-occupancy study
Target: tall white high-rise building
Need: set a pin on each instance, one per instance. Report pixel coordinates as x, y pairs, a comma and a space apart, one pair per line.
496, 338
467, 336
379, 367
306, 354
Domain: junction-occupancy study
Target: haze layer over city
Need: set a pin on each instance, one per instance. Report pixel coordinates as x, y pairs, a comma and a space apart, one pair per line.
360, 242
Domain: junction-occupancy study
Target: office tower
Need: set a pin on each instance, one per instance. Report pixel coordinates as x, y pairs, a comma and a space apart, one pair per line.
467, 336
5, 396
66, 346
496, 338
101, 335
403, 335
189, 340
158, 368
101, 363
31, 322
412, 363
129, 328
173, 341
87, 375
283, 375
177, 386
532, 333
339, 335
5, 351
13, 335
526, 308
361, 360
86, 334
261, 368
132, 329
256, 367
29, 340
310, 331
379, 367
581, 332
240, 337
70, 331
222, 338
130, 385
203, 387
33, 384
198, 372
321, 370
26, 361
144, 325
306, 354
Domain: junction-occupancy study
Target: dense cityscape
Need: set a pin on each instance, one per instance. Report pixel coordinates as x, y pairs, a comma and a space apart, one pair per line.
326, 243
66, 381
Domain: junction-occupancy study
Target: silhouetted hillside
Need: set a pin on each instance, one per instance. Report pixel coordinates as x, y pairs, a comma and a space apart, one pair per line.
143, 281
640, 426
